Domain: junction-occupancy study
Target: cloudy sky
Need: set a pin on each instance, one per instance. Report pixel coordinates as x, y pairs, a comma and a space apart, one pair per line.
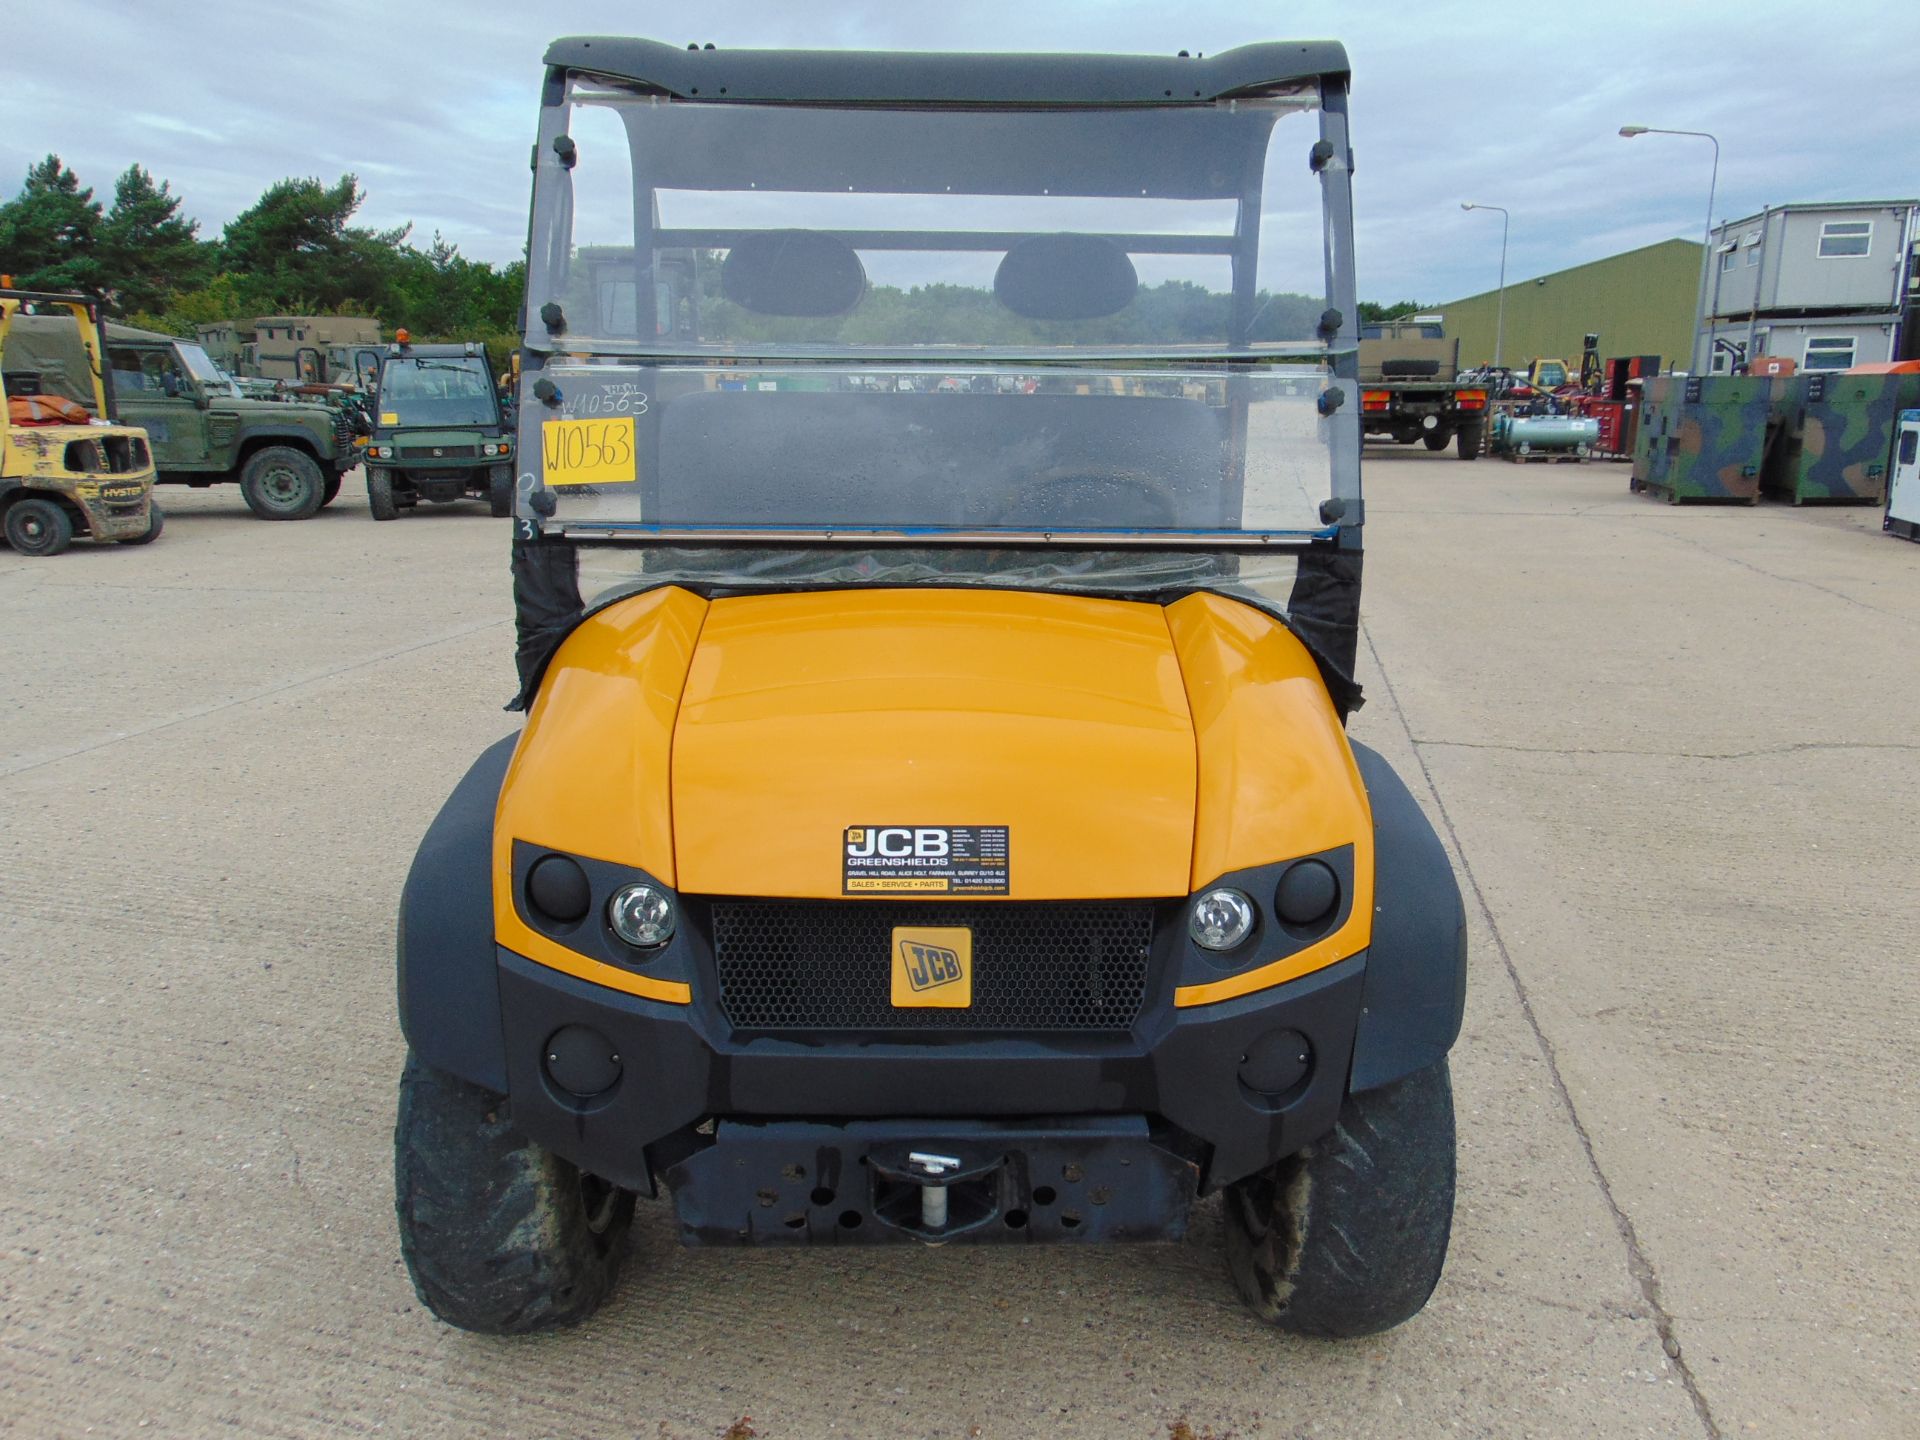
433, 106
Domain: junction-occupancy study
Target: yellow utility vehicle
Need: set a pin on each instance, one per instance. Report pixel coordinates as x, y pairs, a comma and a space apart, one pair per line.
65, 468
934, 819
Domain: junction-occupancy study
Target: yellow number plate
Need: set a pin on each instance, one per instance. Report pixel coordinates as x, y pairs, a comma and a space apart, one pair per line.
589, 452
932, 967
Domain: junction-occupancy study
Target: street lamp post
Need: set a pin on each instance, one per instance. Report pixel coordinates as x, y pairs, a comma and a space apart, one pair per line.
1500, 305
1706, 238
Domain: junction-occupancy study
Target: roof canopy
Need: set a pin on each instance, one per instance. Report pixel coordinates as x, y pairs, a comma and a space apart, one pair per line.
921, 78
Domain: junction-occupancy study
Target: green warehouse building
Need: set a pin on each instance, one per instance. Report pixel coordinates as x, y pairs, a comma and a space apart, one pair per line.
1641, 303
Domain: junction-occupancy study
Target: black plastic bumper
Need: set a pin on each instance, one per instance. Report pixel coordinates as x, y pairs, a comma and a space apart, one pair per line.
934, 1181
1177, 1078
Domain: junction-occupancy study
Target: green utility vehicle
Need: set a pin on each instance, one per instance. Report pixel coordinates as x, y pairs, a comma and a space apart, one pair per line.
440, 432
287, 458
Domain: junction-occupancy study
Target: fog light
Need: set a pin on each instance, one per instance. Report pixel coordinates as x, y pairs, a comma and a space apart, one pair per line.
1308, 892
1221, 919
641, 914
557, 887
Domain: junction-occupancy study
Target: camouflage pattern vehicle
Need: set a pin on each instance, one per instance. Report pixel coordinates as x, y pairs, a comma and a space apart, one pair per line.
1836, 435
440, 432
65, 468
1704, 437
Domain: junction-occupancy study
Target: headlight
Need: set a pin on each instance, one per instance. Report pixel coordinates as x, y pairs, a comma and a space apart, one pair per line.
641, 915
380, 452
1221, 919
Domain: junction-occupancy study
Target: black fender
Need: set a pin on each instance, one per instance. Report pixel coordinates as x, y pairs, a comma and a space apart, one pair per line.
449, 974
1416, 980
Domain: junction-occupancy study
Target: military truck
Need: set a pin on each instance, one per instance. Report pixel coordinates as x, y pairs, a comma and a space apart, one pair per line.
65, 468
286, 457
1412, 388
440, 432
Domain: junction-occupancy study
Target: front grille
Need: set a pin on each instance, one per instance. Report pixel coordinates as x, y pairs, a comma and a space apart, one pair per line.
439, 452
825, 965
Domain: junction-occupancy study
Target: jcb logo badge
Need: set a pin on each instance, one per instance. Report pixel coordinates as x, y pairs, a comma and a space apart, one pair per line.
929, 965
898, 842
933, 966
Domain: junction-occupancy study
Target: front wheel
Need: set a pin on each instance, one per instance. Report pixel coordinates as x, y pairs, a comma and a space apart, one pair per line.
331, 492
279, 482
500, 491
380, 495
156, 522
499, 1235
1348, 1236
37, 526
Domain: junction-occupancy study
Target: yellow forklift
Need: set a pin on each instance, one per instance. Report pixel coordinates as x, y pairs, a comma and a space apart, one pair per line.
66, 469
934, 821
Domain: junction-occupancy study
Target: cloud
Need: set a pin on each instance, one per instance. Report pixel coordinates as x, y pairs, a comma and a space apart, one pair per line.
434, 106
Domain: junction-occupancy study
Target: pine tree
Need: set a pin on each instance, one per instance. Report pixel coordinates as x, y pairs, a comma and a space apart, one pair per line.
147, 250
50, 231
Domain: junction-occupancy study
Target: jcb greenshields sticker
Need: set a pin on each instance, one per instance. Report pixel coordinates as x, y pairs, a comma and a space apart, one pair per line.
925, 860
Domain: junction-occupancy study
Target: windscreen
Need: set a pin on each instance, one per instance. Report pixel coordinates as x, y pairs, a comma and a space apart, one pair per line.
686, 229
900, 324
436, 390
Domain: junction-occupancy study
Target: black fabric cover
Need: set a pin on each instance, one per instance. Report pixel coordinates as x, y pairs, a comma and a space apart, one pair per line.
546, 607
1324, 611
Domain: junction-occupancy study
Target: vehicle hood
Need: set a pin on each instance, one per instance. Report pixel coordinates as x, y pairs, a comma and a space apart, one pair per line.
275, 409
1051, 730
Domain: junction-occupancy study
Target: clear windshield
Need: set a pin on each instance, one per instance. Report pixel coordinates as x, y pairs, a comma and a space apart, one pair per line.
789, 324
690, 229
434, 390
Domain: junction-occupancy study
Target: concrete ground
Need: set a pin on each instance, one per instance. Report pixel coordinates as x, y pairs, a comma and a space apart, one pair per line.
1673, 750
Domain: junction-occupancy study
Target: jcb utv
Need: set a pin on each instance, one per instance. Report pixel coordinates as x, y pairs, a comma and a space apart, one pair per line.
66, 468
939, 824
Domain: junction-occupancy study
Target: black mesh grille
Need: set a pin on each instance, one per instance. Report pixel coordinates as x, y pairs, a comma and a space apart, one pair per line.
794, 965
441, 452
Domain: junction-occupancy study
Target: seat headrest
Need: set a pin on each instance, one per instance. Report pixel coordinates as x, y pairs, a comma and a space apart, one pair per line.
1066, 277
793, 272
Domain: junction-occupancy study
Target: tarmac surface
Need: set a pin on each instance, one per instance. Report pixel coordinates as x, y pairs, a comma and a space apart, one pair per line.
1673, 750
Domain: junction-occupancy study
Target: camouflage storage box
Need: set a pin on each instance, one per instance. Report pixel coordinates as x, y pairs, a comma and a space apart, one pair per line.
1836, 436
1703, 437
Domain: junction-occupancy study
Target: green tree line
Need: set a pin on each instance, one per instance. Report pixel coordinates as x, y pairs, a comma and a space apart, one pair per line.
294, 251
297, 251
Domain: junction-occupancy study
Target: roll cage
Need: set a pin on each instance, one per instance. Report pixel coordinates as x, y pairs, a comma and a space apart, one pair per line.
1176, 129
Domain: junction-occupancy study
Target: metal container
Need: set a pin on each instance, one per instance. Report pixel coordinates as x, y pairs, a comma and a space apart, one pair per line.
1837, 432
1545, 437
1704, 437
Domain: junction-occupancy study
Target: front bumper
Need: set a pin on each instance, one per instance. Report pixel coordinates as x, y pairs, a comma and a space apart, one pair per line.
716, 1115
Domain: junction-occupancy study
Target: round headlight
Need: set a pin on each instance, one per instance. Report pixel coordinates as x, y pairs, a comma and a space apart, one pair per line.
1221, 919
641, 914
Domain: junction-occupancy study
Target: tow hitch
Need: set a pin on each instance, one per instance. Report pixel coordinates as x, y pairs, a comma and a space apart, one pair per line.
935, 1182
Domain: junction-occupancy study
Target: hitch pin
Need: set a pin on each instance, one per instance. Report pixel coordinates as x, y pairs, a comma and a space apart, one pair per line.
933, 1198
